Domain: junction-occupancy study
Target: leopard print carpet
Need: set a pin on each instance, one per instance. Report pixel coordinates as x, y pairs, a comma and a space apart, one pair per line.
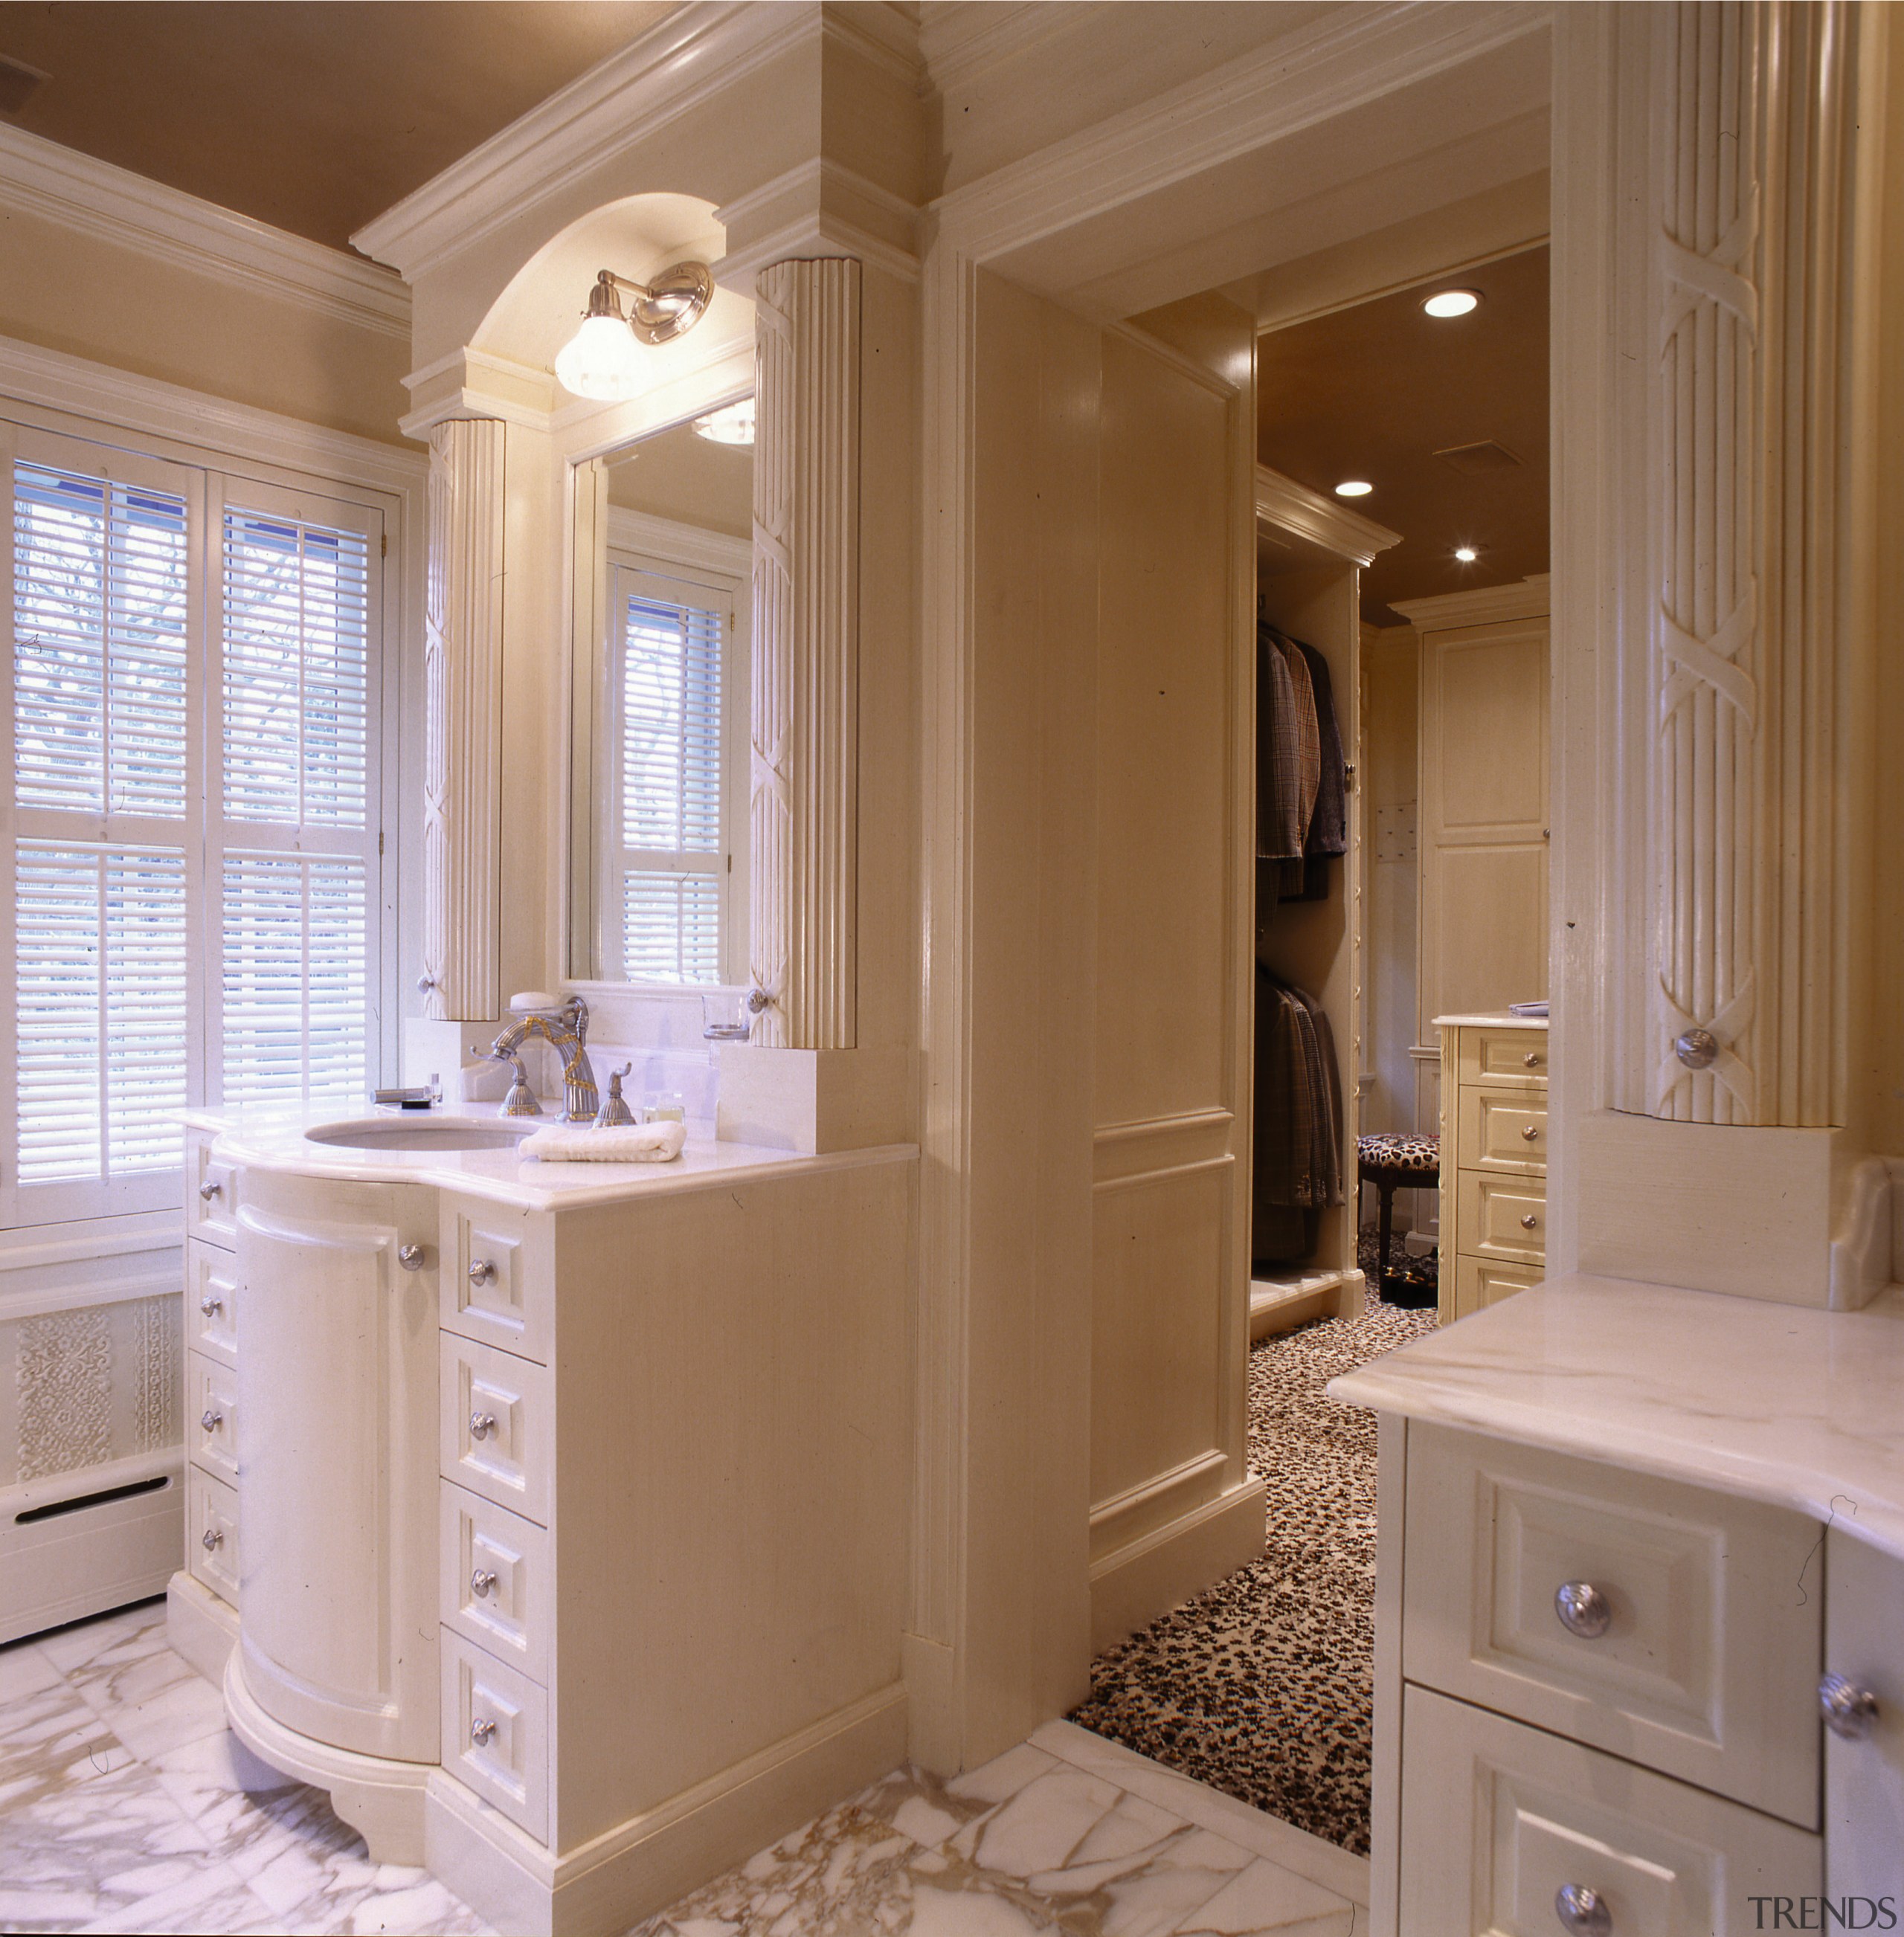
1263, 1686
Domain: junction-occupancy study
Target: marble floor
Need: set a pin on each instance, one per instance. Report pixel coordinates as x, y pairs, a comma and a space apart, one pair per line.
126, 1805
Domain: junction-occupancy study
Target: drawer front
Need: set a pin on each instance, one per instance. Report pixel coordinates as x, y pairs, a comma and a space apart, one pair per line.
211, 1292
496, 1580
211, 1417
1479, 1283
498, 1280
495, 1734
1707, 1664
211, 1194
211, 1534
1504, 1129
1504, 1056
496, 1421
1497, 1819
1503, 1217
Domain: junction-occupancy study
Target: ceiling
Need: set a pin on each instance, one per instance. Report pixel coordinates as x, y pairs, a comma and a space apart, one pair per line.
1374, 391
313, 118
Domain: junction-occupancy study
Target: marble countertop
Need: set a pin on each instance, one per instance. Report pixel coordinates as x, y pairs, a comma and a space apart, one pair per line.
1489, 1019
1780, 1403
504, 1176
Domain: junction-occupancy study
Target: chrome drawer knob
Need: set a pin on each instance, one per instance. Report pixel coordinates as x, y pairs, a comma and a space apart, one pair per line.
1583, 1912
1530, 1131
480, 1730
481, 1582
1531, 1059
1697, 1049
211, 1420
208, 1304
481, 1425
1849, 1711
1528, 1222
411, 1256
207, 1192
425, 984
210, 1538
1585, 1611
480, 1271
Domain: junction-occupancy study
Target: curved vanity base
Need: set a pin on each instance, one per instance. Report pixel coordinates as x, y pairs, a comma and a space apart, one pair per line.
382, 1799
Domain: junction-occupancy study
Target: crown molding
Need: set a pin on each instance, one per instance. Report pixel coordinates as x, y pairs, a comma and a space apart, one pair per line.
698, 50
967, 38
120, 401
1351, 57
59, 184
819, 208
1281, 501
1485, 605
668, 541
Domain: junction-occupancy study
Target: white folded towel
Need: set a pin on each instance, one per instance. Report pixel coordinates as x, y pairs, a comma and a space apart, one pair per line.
625, 1143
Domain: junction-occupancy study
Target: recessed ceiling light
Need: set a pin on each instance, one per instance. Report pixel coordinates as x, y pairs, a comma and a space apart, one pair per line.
1467, 554
1353, 487
1451, 302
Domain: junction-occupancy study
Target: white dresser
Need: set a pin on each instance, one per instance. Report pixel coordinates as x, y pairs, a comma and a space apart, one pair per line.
1493, 1152
1629, 1536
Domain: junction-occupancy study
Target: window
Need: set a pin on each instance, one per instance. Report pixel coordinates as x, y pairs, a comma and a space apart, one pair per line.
191, 907
669, 857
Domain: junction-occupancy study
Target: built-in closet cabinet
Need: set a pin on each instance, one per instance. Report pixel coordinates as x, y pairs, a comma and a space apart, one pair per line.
1309, 555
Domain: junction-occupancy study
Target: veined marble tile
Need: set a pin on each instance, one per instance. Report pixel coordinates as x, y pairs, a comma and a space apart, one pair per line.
152, 1699
1265, 1898
24, 1670
50, 1739
88, 1647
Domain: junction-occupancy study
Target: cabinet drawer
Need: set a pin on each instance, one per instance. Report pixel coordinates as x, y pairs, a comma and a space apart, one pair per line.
211, 1534
211, 1294
1503, 1217
496, 1423
1497, 1819
495, 1734
498, 1280
1504, 1056
496, 1581
1706, 1664
211, 1415
1503, 1130
1479, 1283
211, 1194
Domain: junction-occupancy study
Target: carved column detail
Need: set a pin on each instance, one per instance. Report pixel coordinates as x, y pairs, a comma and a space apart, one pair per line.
462, 661
1750, 176
805, 790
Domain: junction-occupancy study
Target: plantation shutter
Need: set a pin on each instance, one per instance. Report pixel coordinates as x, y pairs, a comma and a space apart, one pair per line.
296, 876
102, 638
668, 869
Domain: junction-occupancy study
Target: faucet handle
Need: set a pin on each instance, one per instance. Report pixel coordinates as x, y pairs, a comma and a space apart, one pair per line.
614, 1109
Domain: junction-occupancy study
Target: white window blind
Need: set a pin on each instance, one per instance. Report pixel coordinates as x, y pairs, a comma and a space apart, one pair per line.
669, 869
193, 907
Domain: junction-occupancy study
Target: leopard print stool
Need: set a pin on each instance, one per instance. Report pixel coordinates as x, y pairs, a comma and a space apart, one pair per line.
1392, 1162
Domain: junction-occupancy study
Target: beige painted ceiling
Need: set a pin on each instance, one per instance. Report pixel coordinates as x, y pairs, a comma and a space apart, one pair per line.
312, 116
1375, 391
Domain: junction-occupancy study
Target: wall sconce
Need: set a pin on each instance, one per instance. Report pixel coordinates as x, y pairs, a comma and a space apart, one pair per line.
601, 360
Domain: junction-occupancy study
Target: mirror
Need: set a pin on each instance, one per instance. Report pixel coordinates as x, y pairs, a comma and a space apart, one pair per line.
658, 863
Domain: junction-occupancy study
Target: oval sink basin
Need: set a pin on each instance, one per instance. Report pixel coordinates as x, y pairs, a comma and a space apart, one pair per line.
456, 1133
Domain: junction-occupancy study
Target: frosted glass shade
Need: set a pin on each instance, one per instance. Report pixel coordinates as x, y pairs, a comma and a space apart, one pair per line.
601, 360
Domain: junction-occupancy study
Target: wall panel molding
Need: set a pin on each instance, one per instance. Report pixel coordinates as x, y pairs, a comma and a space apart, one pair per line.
804, 808
462, 668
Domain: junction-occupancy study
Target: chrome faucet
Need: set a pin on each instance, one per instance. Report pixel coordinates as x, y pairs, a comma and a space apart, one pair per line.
567, 1031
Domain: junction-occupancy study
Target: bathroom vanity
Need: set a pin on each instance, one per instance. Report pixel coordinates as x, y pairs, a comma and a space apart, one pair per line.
556, 1511
1639, 1570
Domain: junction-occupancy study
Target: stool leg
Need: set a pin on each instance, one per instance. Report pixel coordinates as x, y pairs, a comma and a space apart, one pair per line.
1385, 1192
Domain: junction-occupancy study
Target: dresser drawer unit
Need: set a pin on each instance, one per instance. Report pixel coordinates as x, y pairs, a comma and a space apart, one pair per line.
1481, 1282
495, 1734
211, 1423
211, 1194
1504, 1056
211, 1294
1504, 1130
211, 1534
1674, 1627
496, 1420
496, 1580
1503, 1217
497, 1277
1498, 1819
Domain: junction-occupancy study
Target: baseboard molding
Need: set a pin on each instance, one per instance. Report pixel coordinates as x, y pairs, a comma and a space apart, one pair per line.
200, 1626
1132, 1587
650, 1861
